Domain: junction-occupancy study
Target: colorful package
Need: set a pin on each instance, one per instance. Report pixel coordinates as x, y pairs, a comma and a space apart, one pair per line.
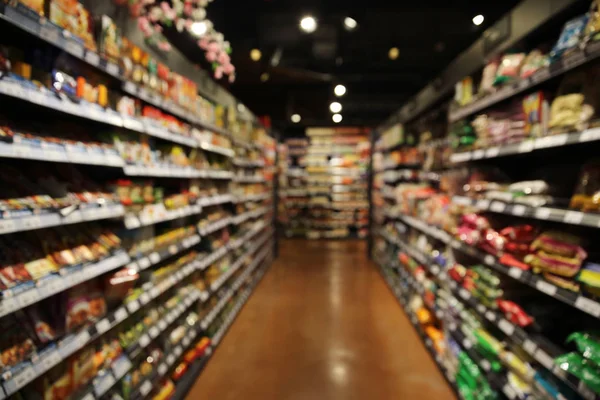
570, 36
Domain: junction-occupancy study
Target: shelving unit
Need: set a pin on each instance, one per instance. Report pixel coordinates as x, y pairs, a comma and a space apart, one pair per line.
324, 190
126, 237
462, 218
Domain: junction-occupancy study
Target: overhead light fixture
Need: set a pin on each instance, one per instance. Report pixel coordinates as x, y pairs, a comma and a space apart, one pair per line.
350, 23
337, 118
296, 118
308, 24
339, 90
255, 54
199, 28
478, 19
264, 77
393, 53
335, 107
241, 108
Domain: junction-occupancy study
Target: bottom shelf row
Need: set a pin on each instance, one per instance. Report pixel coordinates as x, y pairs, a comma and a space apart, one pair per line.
160, 353
469, 375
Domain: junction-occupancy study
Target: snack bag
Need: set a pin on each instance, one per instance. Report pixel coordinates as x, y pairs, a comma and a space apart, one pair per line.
570, 36
35, 5
509, 68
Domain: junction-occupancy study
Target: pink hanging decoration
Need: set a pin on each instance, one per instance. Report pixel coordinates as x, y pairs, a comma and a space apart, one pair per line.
211, 56
203, 43
218, 72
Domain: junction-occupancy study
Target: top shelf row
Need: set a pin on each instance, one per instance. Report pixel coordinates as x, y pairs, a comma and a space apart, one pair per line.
28, 21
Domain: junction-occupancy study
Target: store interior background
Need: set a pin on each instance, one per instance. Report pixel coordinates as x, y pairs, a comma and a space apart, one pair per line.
344, 225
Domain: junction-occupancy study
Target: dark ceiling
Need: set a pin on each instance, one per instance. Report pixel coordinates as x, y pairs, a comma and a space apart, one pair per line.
428, 33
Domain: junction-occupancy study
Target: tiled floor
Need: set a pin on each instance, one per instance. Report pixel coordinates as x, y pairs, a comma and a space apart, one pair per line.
321, 325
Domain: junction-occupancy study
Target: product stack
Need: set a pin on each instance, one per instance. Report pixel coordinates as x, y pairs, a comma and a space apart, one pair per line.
134, 224
327, 196
488, 240
293, 193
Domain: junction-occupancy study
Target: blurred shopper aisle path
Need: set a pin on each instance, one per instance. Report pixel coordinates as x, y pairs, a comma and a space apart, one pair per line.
321, 325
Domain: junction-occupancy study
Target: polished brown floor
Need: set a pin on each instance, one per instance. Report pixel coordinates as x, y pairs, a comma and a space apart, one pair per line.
321, 325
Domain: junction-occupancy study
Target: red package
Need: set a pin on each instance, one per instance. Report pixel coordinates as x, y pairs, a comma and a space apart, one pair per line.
514, 313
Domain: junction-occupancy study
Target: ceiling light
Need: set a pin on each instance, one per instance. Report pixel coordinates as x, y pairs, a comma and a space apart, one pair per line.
255, 54
296, 118
337, 118
478, 19
308, 24
350, 23
393, 53
339, 90
335, 107
199, 28
264, 77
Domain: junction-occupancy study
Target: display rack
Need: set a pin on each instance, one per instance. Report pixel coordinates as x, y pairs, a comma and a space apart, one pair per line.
325, 193
469, 213
136, 225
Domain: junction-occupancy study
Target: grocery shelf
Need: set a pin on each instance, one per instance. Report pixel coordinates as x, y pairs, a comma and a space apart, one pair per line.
536, 346
214, 226
215, 200
579, 301
571, 217
216, 149
241, 218
557, 68
248, 179
54, 354
66, 154
397, 292
83, 214
21, 297
246, 163
185, 384
528, 146
36, 25
251, 197
142, 262
134, 221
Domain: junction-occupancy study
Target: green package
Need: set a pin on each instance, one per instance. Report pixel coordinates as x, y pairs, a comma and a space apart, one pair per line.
587, 345
575, 364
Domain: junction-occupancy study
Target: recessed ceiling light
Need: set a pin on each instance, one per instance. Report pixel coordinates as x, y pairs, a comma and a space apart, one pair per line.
308, 24
296, 118
337, 118
335, 107
393, 53
478, 19
350, 23
264, 77
199, 28
339, 90
255, 54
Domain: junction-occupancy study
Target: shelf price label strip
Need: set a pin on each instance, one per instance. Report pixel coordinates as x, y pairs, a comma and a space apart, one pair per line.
542, 213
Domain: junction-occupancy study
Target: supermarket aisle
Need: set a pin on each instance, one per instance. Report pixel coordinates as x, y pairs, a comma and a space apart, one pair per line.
321, 325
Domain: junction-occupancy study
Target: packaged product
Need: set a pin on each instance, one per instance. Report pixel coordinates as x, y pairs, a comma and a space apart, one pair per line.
592, 30
85, 303
534, 61
57, 384
589, 277
83, 369
72, 16
35, 5
561, 282
536, 110
509, 68
577, 366
16, 343
588, 345
514, 313
559, 243
570, 112
587, 195
489, 74
570, 36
